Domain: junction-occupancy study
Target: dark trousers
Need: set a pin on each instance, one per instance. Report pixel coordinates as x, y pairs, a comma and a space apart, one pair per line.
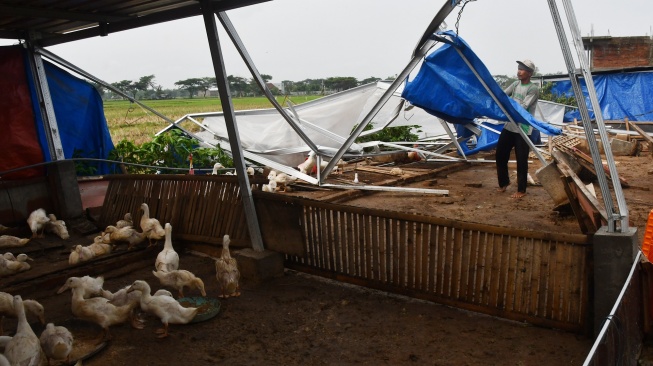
508, 140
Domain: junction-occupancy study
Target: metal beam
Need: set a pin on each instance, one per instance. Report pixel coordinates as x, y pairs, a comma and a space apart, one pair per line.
51, 13
423, 46
584, 112
232, 128
50, 127
235, 38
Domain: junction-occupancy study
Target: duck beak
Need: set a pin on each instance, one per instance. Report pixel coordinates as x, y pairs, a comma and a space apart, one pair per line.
42, 319
130, 289
63, 288
30, 259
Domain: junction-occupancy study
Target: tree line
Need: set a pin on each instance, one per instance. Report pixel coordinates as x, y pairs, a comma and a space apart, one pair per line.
146, 87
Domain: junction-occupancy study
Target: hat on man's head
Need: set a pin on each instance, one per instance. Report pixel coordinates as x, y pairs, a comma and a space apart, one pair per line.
527, 65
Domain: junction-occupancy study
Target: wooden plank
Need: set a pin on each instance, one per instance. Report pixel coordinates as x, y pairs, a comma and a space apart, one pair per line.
527, 279
396, 254
520, 281
483, 279
351, 243
441, 260
369, 265
472, 294
433, 258
456, 267
375, 239
552, 284
425, 256
495, 273
410, 254
326, 239
385, 250
448, 262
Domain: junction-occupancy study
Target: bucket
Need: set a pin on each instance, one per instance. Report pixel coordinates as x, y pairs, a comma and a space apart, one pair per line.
550, 178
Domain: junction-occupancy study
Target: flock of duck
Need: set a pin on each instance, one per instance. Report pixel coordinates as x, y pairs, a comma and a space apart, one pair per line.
91, 302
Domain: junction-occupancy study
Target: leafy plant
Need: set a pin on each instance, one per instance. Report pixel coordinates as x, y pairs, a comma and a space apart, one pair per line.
84, 167
390, 134
171, 149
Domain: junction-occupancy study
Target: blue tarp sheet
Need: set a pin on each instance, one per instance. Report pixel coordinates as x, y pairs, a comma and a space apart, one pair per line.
80, 117
623, 95
447, 88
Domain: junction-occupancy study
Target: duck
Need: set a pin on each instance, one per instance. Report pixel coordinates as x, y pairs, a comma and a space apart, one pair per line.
307, 166
151, 227
56, 342
271, 186
226, 271
10, 267
100, 249
7, 309
282, 179
126, 221
125, 234
180, 278
36, 221
216, 167
93, 286
3, 228
122, 298
168, 259
164, 307
80, 254
24, 347
97, 310
9, 241
4, 361
57, 227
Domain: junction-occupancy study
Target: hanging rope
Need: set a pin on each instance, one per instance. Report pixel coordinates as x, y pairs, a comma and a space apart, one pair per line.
460, 13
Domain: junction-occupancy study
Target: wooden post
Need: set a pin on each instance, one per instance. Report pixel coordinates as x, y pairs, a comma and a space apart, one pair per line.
627, 128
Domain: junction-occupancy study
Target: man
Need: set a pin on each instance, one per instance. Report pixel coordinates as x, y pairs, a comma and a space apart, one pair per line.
526, 93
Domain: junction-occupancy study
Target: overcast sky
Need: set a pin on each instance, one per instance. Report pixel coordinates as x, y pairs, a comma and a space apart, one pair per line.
300, 39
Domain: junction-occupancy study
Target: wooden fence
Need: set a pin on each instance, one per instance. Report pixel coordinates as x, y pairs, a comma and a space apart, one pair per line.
542, 278
199, 208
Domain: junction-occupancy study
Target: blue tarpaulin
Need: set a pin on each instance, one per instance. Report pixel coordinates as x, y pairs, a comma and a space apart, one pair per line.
622, 95
447, 88
80, 117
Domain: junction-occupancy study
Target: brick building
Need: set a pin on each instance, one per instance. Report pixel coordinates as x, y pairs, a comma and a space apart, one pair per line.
607, 53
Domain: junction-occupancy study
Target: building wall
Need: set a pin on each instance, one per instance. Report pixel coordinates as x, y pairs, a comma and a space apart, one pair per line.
620, 52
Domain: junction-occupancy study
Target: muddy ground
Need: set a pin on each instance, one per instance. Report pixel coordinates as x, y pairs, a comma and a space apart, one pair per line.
299, 319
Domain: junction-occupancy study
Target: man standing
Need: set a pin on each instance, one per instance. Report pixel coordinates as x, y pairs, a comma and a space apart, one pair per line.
526, 93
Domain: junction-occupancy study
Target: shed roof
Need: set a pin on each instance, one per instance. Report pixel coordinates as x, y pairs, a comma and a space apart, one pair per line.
50, 22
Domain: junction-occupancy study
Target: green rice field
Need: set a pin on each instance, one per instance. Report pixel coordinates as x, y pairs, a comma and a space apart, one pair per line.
132, 122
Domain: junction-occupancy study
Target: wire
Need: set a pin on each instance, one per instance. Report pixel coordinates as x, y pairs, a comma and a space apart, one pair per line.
460, 13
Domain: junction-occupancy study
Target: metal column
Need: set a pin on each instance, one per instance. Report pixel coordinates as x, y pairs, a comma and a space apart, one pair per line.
45, 105
423, 46
230, 121
574, 77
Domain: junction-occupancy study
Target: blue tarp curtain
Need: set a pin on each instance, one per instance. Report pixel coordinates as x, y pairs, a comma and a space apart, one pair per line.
80, 117
611, 90
447, 88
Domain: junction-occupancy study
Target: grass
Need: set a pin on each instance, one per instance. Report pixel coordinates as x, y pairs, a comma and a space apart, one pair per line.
133, 123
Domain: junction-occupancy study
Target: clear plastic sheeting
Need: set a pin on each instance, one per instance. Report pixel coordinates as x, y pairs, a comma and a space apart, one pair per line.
327, 121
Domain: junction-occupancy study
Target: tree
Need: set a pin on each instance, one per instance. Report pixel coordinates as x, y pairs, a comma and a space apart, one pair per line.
340, 83
238, 85
126, 86
144, 83
207, 83
369, 80
191, 85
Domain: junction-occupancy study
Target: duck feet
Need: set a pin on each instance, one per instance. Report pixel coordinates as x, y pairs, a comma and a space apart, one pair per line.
161, 332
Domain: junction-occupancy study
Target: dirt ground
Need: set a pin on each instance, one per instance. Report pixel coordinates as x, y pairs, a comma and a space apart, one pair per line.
300, 319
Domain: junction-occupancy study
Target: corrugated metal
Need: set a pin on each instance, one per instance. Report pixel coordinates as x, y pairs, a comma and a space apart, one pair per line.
50, 20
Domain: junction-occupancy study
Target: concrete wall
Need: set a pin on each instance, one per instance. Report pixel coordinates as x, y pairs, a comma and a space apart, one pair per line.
19, 198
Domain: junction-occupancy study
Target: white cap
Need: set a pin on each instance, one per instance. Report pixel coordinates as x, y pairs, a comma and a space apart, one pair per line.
527, 65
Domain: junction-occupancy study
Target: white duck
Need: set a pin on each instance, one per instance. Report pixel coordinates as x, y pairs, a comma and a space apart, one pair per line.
125, 234
167, 260
271, 186
56, 342
307, 166
8, 241
178, 279
126, 221
24, 347
93, 286
122, 298
226, 271
36, 221
57, 227
99, 248
216, 167
151, 227
7, 309
10, 267
97, 310
282, 179
80, 254
164, 307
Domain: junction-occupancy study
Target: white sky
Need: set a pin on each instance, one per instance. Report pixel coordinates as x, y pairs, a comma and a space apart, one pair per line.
300, 39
